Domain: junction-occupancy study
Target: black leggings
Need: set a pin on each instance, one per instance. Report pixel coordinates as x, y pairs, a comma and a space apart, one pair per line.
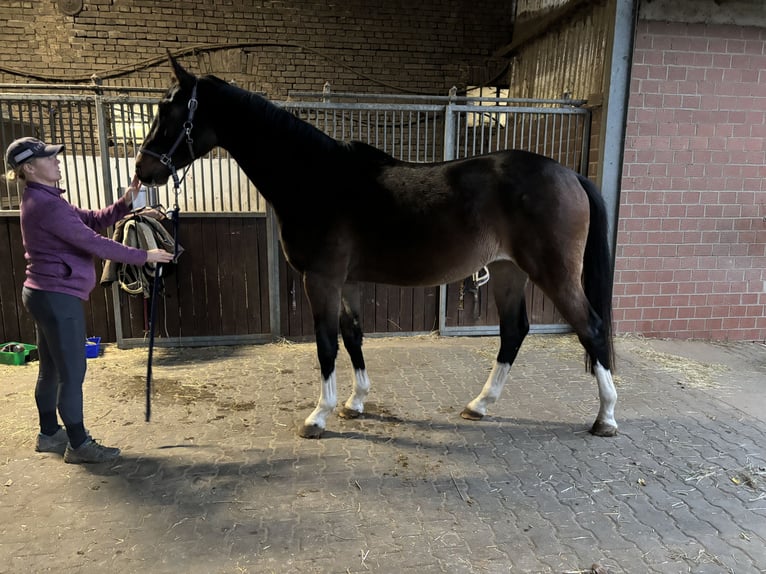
61, 337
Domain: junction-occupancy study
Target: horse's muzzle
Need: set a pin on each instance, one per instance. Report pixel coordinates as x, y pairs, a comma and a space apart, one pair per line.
151, 171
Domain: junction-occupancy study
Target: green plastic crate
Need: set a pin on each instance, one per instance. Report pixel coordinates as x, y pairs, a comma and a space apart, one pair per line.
17, 357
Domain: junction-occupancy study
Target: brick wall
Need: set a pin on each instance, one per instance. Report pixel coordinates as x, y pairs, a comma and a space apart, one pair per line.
691, 255
357, 45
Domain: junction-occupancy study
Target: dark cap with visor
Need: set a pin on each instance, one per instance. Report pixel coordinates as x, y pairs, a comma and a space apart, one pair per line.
24, 149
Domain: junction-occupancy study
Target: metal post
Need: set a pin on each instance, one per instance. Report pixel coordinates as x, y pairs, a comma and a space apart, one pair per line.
449, 127
272, 259
616, 93
449, 154
106, 172
585, 148
103, 145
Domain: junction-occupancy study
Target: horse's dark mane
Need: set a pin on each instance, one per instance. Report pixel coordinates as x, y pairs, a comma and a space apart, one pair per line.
370, 153
270, 114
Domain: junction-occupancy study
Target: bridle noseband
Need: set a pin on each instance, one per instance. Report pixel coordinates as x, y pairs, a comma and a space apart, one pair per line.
166, 159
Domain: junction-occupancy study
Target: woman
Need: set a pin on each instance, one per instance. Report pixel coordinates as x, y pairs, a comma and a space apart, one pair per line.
60, 241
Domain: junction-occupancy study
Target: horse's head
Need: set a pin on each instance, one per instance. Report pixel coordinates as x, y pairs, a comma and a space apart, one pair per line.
180, 132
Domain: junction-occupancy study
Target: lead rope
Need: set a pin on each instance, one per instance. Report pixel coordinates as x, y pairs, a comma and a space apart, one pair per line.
174, 215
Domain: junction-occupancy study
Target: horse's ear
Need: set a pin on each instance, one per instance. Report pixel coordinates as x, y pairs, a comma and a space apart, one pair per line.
184, 78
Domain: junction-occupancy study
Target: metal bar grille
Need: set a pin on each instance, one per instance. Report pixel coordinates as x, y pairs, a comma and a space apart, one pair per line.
407, 132
67, 120
215, 183
553, 132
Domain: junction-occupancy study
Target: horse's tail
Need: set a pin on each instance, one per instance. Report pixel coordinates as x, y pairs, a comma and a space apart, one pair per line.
597, 270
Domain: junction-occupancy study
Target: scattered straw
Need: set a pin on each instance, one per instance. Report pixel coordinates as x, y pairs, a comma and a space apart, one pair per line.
702, 557
690, 372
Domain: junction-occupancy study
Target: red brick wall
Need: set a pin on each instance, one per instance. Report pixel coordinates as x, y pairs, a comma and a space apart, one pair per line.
691, 253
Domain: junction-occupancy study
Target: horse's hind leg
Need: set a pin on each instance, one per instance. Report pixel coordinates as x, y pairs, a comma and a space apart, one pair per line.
572, 303
605, 424
592, 334
508, 283
351, 332
324, 297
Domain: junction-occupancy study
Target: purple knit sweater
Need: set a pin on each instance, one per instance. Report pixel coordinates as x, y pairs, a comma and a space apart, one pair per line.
61, 240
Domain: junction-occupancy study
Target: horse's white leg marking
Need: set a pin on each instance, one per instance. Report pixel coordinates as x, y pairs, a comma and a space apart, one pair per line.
328, 398
492, 388
361, 387
607, 394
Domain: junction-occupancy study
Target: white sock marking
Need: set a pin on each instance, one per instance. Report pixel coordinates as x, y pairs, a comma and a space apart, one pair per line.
361, 387
328, 398
607, 395
492, 388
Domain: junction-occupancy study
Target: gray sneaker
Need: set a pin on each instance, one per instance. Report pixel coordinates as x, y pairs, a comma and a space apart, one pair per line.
54, 443
90, 451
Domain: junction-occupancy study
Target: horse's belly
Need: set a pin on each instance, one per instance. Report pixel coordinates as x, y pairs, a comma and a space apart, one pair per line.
418, 267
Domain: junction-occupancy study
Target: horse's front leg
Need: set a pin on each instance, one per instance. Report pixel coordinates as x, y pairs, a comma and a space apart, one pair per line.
324, 296
351, 330
508, 283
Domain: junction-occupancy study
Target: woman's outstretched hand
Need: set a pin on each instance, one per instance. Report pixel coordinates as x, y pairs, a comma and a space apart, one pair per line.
132, 192
158, 256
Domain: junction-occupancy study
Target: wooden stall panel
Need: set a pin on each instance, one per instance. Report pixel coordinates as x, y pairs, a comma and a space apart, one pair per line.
218, 288
15, 323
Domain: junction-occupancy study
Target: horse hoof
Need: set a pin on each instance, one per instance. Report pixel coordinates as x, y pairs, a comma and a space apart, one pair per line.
603, 429
311, 431
347, 413
470, 415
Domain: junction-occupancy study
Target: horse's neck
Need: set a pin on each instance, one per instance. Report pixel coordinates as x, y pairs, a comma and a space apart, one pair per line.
279, 153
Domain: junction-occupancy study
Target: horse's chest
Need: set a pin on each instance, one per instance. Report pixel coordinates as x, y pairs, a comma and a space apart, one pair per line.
308, 246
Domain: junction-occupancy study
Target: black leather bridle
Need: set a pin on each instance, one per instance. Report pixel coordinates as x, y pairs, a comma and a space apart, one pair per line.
166, 159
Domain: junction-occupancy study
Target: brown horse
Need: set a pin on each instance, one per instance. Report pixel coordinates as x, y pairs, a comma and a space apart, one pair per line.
349, 212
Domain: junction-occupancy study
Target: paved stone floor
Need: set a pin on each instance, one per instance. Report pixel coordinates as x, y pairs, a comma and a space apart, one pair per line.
219, 481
